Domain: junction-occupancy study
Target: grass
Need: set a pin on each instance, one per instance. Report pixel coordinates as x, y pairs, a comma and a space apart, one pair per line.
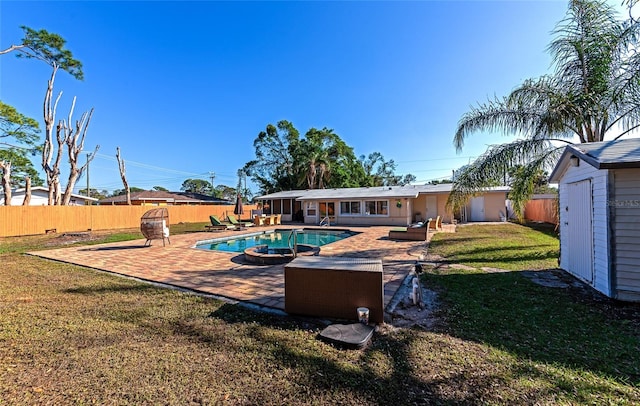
48, 241
507, 246
69, 334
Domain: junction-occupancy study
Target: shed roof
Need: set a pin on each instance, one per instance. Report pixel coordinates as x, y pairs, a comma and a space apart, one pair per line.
616, 154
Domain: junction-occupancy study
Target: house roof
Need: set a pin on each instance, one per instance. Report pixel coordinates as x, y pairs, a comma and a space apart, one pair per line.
146, 195
390, 192
162, 196
601, 155
203, 197
46, 190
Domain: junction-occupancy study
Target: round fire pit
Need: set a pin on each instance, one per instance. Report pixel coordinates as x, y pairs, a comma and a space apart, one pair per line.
263, 255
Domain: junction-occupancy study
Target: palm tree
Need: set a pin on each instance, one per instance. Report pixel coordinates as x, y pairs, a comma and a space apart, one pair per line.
314, 161
592, 95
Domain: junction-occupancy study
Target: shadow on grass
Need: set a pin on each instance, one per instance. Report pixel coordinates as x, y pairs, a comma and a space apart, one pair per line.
512, 253
231, 313
555, 326
545, 228
385, 372
318, 373
111, 288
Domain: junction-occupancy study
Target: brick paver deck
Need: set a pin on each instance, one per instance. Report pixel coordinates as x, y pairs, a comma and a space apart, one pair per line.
226, 274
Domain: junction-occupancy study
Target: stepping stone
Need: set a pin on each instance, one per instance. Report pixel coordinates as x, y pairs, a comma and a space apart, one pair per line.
355, 335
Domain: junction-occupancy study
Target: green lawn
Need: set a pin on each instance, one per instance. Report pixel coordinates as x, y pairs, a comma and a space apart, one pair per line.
73, 335
504, 246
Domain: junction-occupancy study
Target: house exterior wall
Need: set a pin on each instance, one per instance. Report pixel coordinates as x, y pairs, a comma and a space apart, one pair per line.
445, 216
38, 198
600, 233
419, 206
494, 205
396, 215
624, 204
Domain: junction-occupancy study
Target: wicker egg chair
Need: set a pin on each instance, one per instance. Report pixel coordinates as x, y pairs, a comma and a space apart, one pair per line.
154, 225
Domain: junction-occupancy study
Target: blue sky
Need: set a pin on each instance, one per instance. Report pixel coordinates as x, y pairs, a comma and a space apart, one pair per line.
183, 88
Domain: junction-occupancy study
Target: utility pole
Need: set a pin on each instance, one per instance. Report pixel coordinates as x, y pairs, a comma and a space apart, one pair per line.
212, 176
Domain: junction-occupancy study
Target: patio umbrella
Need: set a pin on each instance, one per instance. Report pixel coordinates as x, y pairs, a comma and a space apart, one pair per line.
238, 210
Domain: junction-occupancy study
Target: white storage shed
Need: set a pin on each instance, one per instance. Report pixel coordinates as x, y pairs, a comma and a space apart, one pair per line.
599, 187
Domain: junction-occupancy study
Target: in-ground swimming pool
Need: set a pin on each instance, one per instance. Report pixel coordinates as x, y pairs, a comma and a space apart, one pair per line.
276, 239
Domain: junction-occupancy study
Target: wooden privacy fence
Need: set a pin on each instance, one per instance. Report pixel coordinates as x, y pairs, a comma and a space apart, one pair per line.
542, 210
30, 220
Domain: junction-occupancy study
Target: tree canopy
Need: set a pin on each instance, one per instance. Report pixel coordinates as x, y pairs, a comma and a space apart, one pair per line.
132, 189
49, 48
18, 142
593, 94
197, 186
320, 159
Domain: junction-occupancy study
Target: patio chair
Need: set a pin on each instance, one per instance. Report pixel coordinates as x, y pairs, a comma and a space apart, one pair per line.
258, 220
436, 225
153, 225
233, 220
269, 220
215, 221
416, 232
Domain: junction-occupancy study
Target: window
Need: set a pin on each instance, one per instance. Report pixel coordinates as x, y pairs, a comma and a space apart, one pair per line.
377, 207
286, 206
327, 209
311, 209
352, 208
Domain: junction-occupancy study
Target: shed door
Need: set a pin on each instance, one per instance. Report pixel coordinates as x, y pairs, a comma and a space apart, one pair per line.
579, 228
477, 209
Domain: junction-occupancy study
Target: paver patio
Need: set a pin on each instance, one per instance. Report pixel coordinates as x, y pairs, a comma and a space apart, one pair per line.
225, 274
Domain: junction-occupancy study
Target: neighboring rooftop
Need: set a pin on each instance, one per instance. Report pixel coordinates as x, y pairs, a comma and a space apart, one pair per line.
156, 196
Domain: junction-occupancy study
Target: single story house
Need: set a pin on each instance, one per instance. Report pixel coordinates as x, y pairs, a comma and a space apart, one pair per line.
161, 198
40, 197
599, 204
381, 205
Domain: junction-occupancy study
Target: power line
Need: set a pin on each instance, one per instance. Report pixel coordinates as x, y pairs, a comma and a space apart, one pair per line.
147, 166
436, 159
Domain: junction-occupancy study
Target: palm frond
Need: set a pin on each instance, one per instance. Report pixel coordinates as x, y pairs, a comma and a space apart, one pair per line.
496, 116
522, 183
492, 168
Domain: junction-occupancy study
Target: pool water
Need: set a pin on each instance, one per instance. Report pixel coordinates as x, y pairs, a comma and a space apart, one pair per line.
276, 239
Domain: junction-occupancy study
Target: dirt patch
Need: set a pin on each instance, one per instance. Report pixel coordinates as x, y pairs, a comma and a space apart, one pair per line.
72, 238
403, 313
553, 278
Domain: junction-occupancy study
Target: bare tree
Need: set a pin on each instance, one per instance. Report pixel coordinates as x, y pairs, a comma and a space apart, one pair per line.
123, 175
49, 48
74, 137
53, 171
27, 191
5, 166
